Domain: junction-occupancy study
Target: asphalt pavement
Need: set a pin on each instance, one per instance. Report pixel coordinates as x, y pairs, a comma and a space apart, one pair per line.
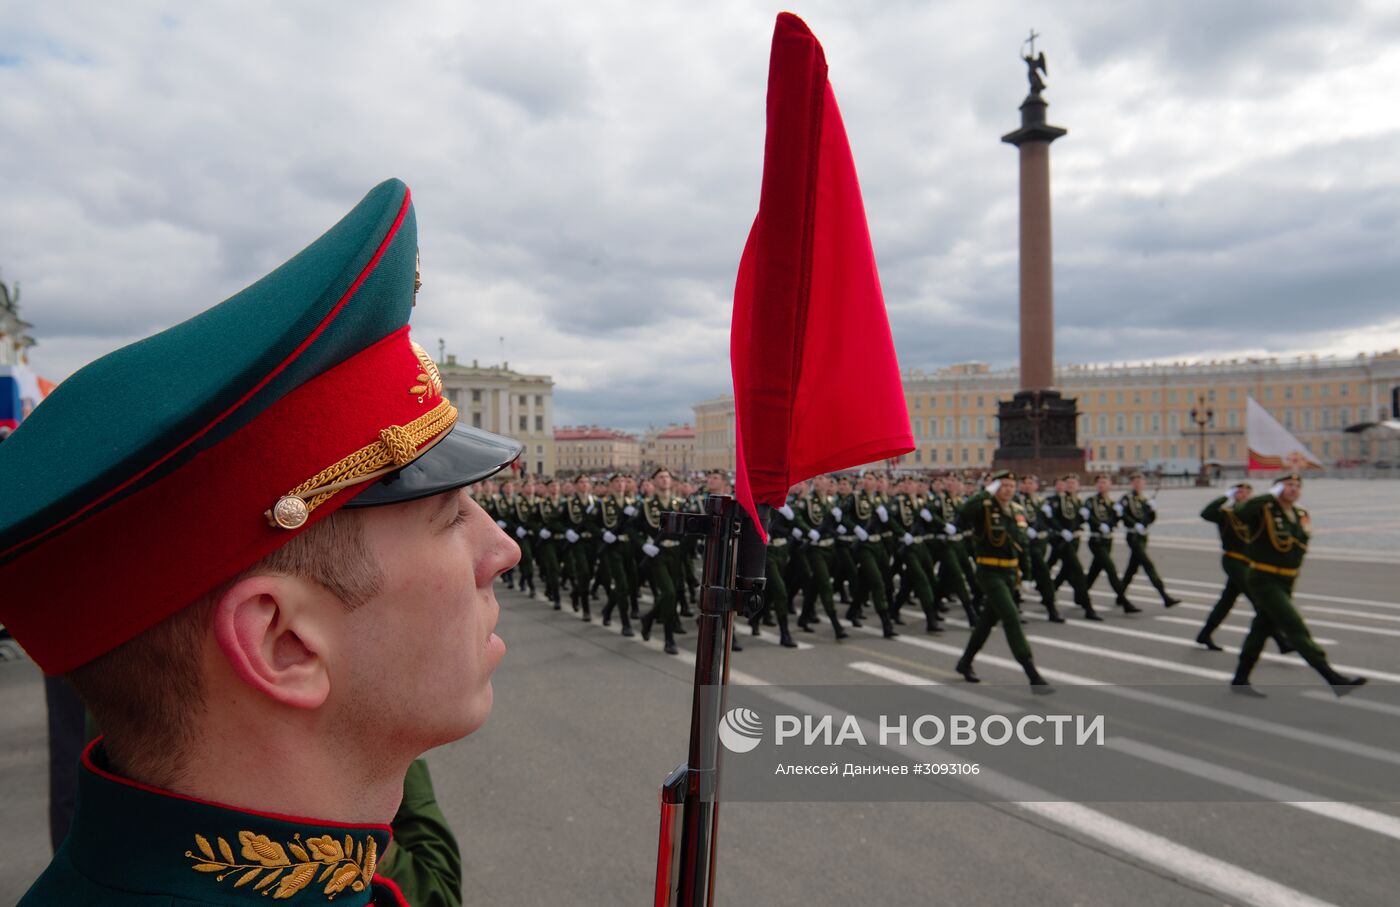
555, 799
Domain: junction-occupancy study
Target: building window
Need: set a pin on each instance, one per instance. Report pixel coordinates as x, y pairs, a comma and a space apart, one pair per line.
454, 396
1103, 453
948, 455
1343, 417
1326, 390
539, 423
1103, 423
1327, 448
1156, 451
1288, 419
1103, 398
933, 426
1171, 451
524, 423
1137, 396
1307, 420
1119, 398
962, 433
1232, 395
1288, 392
539, 468
1233, 420
1171, 396
1326, 418
1156, 423
1232, 451
981, 425
933, 403
1119, 424
1210, 395
1137, 453
539, 399
918, 428
948, 426
1137, 423
1210, 451
1173, 422
1344, 389
979, 401
476, 420
1120, 453
916, 402
964, 454
539, 450
476, 395
981, 455
1268, 393
918, 455
1307, 391
1156, 396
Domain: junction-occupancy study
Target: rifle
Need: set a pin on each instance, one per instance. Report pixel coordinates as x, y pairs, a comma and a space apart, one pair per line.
732, 580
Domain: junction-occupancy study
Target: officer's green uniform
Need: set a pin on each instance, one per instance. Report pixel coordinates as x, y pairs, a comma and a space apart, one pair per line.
1038, 537
1278, 542
943, 549
576, 517
1067, 515
1100, 520
517, 509
998, 535
661, 567
544, 523
1138, 512
775, 591
1234, 560
862, 521
612, 533
813, 517
913, 558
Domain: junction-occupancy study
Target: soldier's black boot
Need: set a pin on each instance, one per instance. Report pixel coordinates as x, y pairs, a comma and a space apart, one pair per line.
670, 646
754, 623
1053, 613
853, 616
1039, 685
607, 613
1127, 606
1240, 683
587, 613
964, 667
1341, 684
1168, 600
971, 611
888, 626
836, 625
573, 598
1204, 638
647, 620
784, 637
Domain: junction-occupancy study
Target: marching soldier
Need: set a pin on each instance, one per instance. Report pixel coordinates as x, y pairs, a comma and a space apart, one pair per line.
544, 522
1101, 515
612, 531
577, 517
634, 547
865, 520
517, 506
997, 527
1234, 560
659, 562
1138, 512
672, 499
818, 525
775, 590
1066, 514
845, 578
951, 579
1279, 531
1037, 538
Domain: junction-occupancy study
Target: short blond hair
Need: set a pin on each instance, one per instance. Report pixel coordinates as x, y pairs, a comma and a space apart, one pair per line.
148, 694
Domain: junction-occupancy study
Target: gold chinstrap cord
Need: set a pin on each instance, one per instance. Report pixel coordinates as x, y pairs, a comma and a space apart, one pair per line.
398, 445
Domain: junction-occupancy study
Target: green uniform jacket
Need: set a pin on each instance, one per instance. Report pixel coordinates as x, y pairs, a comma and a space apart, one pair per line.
424, 860
1065, 512
1234, 535
1277, 542
136, 846
1102, 512
998, 533
1135, 510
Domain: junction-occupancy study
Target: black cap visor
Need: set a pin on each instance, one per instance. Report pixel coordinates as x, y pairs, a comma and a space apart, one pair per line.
461, 457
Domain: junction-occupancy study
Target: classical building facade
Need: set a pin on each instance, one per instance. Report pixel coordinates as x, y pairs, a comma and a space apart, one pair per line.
590, 449
672, 447
714, 433
507, 402
1140, 415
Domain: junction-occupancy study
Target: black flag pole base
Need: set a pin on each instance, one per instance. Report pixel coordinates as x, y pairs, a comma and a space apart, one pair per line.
732, 580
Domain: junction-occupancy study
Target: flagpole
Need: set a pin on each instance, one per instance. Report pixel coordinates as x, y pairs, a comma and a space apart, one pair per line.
733, 579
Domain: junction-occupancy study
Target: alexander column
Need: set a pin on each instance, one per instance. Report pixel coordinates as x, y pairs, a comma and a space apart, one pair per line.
1038, 425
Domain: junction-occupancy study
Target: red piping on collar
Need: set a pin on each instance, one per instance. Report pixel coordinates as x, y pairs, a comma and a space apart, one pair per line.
296, 820
301, 348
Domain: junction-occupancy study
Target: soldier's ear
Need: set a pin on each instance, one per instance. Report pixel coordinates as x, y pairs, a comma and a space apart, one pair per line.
273, 633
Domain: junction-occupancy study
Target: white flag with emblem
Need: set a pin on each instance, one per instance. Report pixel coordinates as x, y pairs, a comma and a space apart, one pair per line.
1271, 446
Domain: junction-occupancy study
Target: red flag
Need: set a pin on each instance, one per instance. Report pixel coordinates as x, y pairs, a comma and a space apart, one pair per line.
816, 383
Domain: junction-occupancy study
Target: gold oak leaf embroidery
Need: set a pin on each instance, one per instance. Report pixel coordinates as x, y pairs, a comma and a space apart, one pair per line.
336, 864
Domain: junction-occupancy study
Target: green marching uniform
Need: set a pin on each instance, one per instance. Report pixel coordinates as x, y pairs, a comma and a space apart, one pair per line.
1102, 516
862, 521
1138, 513
1065, 521
576, 516
813, 517
662, 567
544, 523
423, 859
1038, 539
775, 590
1279, 536
1234, 560
914, 564
943, 549
518, 515
612, 533
998, 532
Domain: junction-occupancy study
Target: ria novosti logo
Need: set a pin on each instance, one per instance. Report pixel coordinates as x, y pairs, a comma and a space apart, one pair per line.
740, 730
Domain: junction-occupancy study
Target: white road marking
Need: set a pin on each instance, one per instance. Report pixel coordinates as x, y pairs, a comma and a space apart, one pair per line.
1234, 628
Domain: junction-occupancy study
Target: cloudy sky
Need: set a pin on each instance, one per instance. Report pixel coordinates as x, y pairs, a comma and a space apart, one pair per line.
585, 174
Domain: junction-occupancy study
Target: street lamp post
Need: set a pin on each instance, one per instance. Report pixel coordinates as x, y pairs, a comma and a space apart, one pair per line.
1201, 415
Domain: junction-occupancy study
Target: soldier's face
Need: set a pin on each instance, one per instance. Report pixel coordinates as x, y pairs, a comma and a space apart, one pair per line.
1291, 491
1072, 486
1242, 494
714, 484
1028, 486
566, 488
584, 486
617, 487
648, 487
663, 481
1139, 484
1006, 491
433, 619
1102, 485
869, 484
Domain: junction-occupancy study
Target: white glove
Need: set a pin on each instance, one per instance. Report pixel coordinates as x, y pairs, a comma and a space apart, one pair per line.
949, 529
630, 510
1150, 505
545, 534
926, 515
908, 538
1118, 509
1276, 489
1084, 512
884, 514
571, 536
650, 550
1031, 533
862, 534
840, 530
1067, 535
814, 535
786, 511
1141, 529
1045, 509
609, 537
836, 512
520, 532
1105, 529
993, 486
501, 523
796, 533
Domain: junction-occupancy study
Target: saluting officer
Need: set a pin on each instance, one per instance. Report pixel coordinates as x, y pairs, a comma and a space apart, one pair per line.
997, 526
1279, 531
1234, 560
1138, 512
